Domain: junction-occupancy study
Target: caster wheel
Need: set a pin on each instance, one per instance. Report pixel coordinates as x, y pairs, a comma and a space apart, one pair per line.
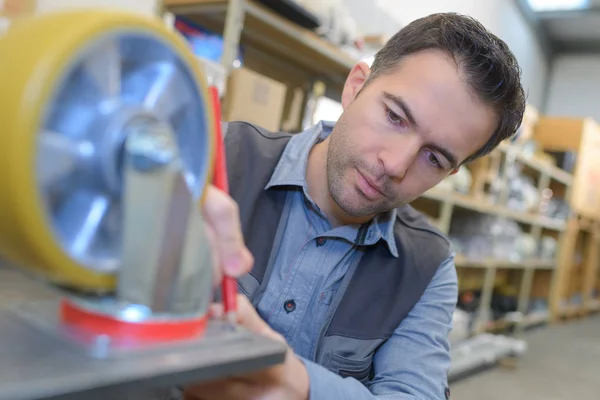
74, 85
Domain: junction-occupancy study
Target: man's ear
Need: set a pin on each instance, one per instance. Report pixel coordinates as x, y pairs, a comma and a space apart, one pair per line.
455, 171
354, 82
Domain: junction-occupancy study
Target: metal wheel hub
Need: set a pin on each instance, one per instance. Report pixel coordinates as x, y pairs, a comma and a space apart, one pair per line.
121, 84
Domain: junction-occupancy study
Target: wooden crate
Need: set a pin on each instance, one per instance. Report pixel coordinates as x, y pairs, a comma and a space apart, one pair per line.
583, 136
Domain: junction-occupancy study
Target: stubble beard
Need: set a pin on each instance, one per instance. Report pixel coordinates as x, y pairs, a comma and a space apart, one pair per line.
339, 161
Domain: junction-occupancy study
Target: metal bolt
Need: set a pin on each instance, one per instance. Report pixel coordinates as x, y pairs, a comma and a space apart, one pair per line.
150, 146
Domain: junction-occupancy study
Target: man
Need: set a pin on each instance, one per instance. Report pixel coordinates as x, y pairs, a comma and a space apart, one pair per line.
358, 284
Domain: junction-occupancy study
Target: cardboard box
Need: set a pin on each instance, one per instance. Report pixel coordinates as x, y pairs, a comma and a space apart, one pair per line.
583, 136
254, 98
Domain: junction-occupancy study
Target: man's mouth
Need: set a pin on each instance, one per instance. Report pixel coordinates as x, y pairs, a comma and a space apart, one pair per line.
369, 189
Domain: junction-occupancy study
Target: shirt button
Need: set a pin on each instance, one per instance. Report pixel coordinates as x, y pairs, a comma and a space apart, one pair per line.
289, 306
321, 241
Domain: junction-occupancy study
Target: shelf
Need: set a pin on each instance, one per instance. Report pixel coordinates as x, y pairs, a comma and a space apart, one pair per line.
464, 262
272, 34
484, 207
552, 171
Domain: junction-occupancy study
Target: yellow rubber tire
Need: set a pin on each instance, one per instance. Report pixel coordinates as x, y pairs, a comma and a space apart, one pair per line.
34, 55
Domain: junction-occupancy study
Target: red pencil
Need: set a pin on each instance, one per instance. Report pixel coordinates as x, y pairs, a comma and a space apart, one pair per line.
229, 284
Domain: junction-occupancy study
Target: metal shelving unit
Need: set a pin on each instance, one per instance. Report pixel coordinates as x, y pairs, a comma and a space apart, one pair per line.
251, 24
464, 262
449, 201
552, 171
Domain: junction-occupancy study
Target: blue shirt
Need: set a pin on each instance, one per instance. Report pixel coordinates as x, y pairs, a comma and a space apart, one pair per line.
310, 263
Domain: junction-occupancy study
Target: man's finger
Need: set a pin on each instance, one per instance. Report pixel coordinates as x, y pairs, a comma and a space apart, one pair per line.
222, 214
214, 255
216, 311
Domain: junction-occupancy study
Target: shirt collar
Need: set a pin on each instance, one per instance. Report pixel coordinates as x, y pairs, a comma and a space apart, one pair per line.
291, 168
291, 171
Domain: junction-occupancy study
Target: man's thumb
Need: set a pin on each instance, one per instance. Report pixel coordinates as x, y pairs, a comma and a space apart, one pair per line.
251, 320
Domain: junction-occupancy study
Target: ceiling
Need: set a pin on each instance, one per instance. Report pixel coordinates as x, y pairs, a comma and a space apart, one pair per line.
574, 30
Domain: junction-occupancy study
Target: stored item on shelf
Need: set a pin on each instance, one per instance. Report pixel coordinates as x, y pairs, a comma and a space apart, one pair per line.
481, 351
538, 305
565, 160
547, 250
517, 192
337, 25
215, 74
461, 326
501, 306
203, 42
555, 208
293, 11
480, 236
523, 195
556, 134
526, 246
254, 98
469, 300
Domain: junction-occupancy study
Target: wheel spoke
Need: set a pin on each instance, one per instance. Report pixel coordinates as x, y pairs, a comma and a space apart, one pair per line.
169, 94
59, 155
81, 218
104, 68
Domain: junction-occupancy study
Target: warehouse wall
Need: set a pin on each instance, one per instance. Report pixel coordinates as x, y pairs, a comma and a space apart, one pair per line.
501, 16
574, 86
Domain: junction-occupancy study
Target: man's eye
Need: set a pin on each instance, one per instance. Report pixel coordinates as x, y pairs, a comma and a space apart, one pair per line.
434, 160
394, 118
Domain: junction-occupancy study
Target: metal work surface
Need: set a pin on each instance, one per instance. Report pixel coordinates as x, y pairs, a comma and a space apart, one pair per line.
36, 364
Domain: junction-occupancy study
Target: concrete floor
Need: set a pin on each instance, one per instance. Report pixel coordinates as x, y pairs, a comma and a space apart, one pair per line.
562, 363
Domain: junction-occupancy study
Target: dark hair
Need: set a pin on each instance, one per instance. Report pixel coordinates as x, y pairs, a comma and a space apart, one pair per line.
489, 66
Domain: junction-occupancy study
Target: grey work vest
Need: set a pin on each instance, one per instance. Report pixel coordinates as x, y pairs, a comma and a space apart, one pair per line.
378, 291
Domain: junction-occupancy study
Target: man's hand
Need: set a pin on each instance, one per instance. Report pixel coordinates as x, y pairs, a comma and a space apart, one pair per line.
225, 234
287, 381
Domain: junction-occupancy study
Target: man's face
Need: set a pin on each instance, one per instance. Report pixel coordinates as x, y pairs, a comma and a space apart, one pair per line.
405, 132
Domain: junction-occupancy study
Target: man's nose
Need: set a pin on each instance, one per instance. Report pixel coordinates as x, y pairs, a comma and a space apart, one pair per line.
399, 155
